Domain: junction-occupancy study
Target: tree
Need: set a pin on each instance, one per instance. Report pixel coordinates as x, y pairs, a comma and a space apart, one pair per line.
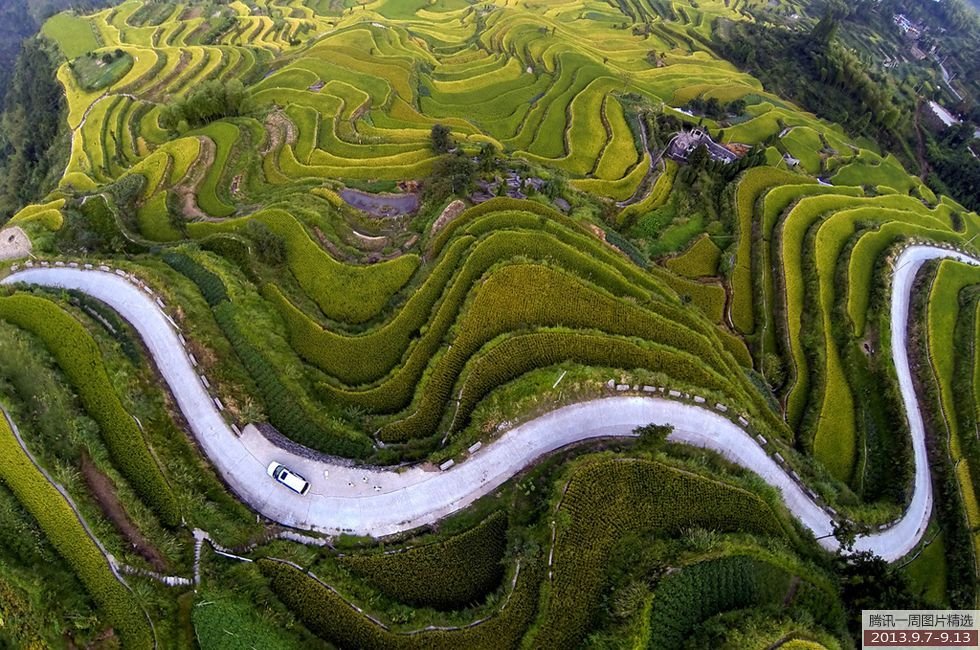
451, 175
212, 100
269, 246
846, 532
712, 107
868, 582
33, 118
653, 436
699, 158
555, 186
488, 157
441, 138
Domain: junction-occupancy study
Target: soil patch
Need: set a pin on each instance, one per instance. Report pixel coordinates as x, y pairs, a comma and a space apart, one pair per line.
278, 127
452, 211
105, 494
14, 243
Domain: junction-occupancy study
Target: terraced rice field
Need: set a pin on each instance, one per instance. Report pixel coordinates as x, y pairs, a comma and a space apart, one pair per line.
421, 337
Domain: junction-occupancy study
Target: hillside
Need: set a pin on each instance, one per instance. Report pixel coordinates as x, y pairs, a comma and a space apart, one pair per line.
577, 333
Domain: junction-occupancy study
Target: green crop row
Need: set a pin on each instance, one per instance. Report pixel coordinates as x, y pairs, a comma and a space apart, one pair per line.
330, 617
512, 356
866, 254
868, 168
503, 305
224, 136
943, 314
360, 359
836, 436
656, 198
752, 185
608, 499
709, 297
791, 233
620, 152
352, 294
281, 404
67, 534
619, 189
80, 358
775, 202
813, 276
497, 204
683, 600
699, 260
285, 411
500, 213
446, 575
209, 284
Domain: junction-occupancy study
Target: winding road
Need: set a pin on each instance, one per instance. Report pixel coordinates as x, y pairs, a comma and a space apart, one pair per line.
378, 502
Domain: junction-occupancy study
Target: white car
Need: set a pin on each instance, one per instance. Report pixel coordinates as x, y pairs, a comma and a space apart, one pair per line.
289, 478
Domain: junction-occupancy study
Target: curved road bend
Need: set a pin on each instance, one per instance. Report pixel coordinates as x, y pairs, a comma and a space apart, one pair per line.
377, 502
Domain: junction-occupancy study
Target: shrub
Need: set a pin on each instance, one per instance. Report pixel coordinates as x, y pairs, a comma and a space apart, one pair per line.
441, 139
445, 575
80, 359
270, 247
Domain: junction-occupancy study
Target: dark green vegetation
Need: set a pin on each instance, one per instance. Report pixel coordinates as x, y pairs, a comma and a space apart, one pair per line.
469, 566
211, 101
32, 141
79, 359
955, 167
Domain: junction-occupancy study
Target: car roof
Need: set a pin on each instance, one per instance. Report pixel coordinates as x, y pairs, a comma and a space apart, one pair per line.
293, 480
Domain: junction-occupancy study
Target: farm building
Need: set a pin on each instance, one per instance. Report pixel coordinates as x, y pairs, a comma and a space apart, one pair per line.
684, 143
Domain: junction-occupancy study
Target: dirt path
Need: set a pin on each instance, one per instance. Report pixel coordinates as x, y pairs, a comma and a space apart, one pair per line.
186, 189
451, 211
105, 495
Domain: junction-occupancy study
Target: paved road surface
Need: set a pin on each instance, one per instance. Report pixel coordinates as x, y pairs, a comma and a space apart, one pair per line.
368, 501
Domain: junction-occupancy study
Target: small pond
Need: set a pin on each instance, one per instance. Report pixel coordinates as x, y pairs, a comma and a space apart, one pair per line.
381, 205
